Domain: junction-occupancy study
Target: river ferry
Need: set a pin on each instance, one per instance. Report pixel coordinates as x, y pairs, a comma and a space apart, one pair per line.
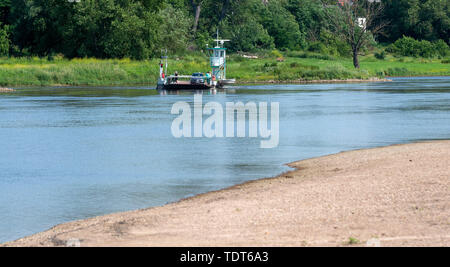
216, 78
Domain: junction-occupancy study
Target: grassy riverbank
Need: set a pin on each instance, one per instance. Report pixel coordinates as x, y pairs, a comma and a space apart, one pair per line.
296, 66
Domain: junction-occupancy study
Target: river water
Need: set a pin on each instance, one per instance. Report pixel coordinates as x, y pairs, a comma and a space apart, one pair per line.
72, 153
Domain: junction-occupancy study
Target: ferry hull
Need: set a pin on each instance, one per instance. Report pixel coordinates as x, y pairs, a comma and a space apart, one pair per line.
184, 86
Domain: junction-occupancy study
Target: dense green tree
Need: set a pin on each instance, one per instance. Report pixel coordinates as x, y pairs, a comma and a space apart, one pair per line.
174, 29
239, 24
88, 28
106, 28
408, 46
309, 16
38, 25
421, 19
281, 25
139, 28
248, 36
432, 21
4, 40
152, 4
5, 8
131, 34
218, 13
92, 21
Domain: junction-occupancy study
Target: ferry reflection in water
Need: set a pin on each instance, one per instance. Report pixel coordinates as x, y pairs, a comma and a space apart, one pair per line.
212, 91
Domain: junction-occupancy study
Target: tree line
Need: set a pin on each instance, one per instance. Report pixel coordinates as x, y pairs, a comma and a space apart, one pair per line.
140, 28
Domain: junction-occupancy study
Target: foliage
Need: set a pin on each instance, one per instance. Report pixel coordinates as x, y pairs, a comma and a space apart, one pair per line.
4, 40
174, 29
345, 23
309, 16
138, 29
88, 28
38, 25
408, 46
5, 7
276, 54
380, 55
420, 19
329, 44
245, 31
106, 29
250, 36
441, 48
282, 26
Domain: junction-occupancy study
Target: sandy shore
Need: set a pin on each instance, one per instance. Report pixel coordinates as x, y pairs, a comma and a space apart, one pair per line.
6, 90
399, 195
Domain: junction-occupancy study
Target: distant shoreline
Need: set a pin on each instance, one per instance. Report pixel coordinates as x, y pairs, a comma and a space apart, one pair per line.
238, 82
392, 196
374, 79
244, 82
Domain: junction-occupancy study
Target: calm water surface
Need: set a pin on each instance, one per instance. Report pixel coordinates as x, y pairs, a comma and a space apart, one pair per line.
74, 153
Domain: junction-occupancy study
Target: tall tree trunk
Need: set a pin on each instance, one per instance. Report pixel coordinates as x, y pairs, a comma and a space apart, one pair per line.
355, 58
224, 10
198, 9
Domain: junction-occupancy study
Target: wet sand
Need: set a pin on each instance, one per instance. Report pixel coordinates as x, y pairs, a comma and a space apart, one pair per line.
398, 195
